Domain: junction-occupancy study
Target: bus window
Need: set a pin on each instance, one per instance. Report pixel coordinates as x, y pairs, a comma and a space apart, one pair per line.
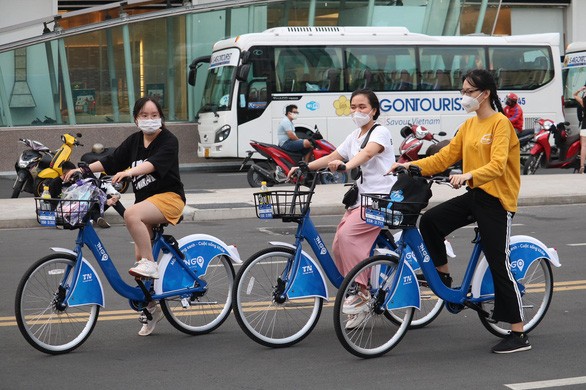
385, 68
521, 67
308, 69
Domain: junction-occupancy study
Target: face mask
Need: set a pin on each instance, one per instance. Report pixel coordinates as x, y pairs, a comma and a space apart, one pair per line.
469, 103
149, 126
294, 116
360, 118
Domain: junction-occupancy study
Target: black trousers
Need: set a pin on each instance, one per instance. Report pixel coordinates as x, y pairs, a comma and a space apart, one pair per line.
494, 223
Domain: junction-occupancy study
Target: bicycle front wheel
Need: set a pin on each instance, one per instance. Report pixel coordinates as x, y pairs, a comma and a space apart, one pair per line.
537, 291
370, 333
43, 318
203, 312
257, 307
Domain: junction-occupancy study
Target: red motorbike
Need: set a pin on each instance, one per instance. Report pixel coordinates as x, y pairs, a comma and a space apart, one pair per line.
413, 139
563, 154
277, 163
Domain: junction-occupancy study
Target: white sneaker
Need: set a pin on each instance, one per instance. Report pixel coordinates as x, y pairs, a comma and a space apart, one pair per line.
356, 320
145, 269
355, 304
149, 326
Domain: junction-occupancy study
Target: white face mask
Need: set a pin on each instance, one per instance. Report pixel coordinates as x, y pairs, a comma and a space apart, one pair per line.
470, 104
360, 118
149, 126
294, 116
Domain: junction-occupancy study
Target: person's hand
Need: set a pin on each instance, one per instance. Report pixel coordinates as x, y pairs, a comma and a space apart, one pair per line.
458, 181
67, 177
291, 171
112, 201
121, 175
397, 165
334, 164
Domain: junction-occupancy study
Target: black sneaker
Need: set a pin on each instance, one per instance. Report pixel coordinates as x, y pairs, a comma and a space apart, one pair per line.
446, 278
512, 343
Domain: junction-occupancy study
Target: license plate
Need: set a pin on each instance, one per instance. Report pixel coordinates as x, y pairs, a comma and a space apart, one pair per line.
374, 217
265, 211
206, 152
47, 218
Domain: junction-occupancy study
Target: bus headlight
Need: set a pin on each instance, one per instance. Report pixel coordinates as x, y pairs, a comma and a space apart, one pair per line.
222, 133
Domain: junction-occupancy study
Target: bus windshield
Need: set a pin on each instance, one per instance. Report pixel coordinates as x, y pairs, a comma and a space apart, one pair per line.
217, 94
574, 76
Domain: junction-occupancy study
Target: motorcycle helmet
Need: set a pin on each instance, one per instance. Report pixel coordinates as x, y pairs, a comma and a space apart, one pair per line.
511, 99
98, 148
420, 132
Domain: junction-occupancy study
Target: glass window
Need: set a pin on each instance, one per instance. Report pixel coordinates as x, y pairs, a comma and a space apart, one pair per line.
521, 67
442, 67
217, 94
308, 69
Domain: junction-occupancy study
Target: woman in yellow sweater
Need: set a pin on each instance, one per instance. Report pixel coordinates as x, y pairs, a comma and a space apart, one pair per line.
489, 149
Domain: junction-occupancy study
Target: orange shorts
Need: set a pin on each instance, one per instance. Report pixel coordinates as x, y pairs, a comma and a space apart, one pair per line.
170, 204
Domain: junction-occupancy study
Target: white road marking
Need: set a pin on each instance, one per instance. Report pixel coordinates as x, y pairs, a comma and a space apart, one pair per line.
548, 384
578, 244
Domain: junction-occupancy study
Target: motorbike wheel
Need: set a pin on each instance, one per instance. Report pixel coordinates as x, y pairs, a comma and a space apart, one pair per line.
532, 164
38, 187
255, 179
334, 178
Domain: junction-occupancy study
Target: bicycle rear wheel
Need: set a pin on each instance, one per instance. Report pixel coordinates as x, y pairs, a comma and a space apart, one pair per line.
536, 290
256, 307
42, 318
201, 313
374, 335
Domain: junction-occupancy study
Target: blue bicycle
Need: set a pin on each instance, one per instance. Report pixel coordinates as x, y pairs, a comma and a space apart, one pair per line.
58, 299
393, 286
280, 290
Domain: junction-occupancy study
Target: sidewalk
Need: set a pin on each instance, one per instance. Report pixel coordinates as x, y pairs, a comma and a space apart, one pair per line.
238, 203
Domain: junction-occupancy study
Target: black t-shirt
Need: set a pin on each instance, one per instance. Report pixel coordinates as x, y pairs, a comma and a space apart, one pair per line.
163, 153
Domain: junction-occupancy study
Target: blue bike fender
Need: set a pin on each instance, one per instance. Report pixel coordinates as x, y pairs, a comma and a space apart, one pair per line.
88, 286
407, 292
524, 251
309, 280
199, 250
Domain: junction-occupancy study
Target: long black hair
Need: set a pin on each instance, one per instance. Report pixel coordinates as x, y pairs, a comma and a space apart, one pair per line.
372, 99
483, 80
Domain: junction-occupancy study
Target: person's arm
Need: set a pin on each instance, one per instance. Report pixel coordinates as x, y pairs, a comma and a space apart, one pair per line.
582, 152
579, 96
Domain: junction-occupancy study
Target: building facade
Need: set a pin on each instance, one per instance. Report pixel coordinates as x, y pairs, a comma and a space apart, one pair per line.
81, 71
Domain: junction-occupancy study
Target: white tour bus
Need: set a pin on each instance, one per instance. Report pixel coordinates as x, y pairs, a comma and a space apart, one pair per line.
574, 71
417, 78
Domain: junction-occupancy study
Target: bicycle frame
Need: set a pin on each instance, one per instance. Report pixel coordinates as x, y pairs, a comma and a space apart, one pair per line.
177, 276
524, 250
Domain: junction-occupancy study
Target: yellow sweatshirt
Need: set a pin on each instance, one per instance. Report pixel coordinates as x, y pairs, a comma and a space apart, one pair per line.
489, 150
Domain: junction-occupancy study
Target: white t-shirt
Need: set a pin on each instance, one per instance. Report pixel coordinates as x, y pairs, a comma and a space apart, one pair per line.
374, 170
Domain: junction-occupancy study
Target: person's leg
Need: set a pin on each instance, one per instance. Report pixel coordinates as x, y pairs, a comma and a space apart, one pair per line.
352, 243
439, 221
582, 149
139, 219
494, 223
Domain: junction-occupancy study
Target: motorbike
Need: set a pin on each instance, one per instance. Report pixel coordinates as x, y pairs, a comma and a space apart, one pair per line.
526, 141
54, 169
30, 162
98, 152
563, 154
275, 168
413, 139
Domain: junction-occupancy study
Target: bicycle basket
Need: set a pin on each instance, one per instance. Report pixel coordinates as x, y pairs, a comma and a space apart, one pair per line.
380, 210
71, 214
281, 204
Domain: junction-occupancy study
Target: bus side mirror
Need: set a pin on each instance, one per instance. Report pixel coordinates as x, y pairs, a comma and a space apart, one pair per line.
245, 57
242, 72
193, 68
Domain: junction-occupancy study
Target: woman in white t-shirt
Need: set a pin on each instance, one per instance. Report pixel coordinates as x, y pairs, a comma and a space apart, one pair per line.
354, 237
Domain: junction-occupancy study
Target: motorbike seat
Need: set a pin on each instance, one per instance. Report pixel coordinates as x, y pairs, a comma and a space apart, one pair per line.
91, 157
294, 156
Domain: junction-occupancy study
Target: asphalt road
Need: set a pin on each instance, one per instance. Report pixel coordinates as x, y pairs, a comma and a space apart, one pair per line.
452, 352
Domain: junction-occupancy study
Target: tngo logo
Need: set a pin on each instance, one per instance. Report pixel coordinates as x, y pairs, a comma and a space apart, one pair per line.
198, 261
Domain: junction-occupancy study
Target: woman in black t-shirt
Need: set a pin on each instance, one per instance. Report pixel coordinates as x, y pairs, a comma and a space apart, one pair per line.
152, 155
